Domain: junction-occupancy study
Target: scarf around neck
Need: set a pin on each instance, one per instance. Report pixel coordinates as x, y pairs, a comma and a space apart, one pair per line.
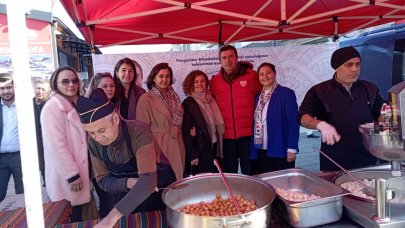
134, 94
258, 126
172, 101
211, 112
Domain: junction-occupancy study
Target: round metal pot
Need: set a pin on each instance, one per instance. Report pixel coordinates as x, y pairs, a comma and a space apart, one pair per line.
367, 174
205, 187
385, 144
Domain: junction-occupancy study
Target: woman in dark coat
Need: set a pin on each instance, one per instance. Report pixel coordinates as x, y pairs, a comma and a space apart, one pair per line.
127, 91
203, 125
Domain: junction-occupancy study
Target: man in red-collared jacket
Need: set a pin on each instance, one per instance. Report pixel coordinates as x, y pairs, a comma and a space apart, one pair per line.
234, 88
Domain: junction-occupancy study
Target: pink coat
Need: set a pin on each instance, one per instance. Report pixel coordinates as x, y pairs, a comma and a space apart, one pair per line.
65, 151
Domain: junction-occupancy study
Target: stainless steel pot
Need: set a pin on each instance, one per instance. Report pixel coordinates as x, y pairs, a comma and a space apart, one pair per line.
204, 187
385, 144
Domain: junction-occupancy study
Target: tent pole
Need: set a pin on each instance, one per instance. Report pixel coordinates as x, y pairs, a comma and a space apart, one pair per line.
25, 113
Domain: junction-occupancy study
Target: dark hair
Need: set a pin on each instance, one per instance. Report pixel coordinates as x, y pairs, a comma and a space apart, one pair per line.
267, 64
6, 77
119, 88
227, 48
155, 70
188, 84
55, 76
136, 64
95, 81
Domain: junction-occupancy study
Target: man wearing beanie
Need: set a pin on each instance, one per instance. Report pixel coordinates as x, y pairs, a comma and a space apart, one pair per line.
126, 160
337, 107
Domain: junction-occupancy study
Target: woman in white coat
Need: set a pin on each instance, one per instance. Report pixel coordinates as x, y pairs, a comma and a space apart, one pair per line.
65, 144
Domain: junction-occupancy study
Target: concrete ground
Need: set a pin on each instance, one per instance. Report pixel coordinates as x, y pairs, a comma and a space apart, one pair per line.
307, 159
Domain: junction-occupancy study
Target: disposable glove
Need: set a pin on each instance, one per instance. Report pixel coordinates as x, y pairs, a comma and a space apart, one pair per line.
328, 132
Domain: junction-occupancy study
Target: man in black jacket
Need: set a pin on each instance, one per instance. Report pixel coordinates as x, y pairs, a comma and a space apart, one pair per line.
42, 90
337, 107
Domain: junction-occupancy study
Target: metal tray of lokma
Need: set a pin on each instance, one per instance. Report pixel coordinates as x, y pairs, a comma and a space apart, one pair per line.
327, 209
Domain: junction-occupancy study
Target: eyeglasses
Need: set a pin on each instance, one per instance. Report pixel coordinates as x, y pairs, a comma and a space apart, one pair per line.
67, 82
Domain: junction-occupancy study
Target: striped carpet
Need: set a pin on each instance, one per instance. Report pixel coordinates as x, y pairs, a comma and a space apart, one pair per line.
153, 219
55, 213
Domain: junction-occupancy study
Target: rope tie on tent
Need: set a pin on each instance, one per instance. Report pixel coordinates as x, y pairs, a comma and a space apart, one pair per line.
336, 32
220, 43
79, 24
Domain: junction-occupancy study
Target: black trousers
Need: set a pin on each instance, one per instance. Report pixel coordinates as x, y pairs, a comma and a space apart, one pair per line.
266, 164
235, 151
10, 164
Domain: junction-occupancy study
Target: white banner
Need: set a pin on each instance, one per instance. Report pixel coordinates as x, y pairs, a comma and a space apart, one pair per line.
298, 67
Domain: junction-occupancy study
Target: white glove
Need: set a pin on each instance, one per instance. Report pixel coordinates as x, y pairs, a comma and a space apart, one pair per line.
328, 132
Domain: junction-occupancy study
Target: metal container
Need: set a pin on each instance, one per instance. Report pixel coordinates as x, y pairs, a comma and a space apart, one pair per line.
204, 187
370, 174
385, 144
310, 213
363, 212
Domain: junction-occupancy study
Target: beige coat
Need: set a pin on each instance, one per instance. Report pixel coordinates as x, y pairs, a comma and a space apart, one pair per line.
155, 114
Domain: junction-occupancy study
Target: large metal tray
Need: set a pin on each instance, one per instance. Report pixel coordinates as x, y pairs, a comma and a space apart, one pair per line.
363, 212
317, 212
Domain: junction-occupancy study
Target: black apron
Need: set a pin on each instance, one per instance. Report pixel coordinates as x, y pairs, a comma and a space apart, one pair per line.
165, 176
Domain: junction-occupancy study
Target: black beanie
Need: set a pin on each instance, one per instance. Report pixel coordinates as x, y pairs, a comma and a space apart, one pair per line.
342, 55
95, 107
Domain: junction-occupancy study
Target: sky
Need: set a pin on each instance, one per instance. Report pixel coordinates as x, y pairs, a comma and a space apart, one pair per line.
60, 12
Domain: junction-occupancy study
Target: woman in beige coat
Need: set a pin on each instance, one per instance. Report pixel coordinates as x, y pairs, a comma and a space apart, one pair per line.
161, 109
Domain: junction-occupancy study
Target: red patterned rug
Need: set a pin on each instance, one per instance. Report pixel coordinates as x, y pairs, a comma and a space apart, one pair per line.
55, 213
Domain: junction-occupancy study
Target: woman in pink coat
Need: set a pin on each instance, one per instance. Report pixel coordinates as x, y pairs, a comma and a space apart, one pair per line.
65, 144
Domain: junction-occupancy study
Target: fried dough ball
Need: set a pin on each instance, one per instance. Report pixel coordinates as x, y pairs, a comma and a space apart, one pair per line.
220, 206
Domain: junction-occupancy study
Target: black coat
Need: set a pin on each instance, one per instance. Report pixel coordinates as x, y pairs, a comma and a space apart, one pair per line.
331, 102
38, 130
199, 146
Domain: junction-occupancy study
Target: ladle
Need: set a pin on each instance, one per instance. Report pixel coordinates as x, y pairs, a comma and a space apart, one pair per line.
366, 189
180, 186
227, 187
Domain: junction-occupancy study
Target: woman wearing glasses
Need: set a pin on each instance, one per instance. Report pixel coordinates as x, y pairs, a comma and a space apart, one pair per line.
65, 144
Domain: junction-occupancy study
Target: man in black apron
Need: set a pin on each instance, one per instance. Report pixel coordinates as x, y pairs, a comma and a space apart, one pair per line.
337, 107
127, 162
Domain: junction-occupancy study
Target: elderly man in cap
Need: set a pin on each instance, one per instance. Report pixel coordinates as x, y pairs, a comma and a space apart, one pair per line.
337, 107
126, 160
